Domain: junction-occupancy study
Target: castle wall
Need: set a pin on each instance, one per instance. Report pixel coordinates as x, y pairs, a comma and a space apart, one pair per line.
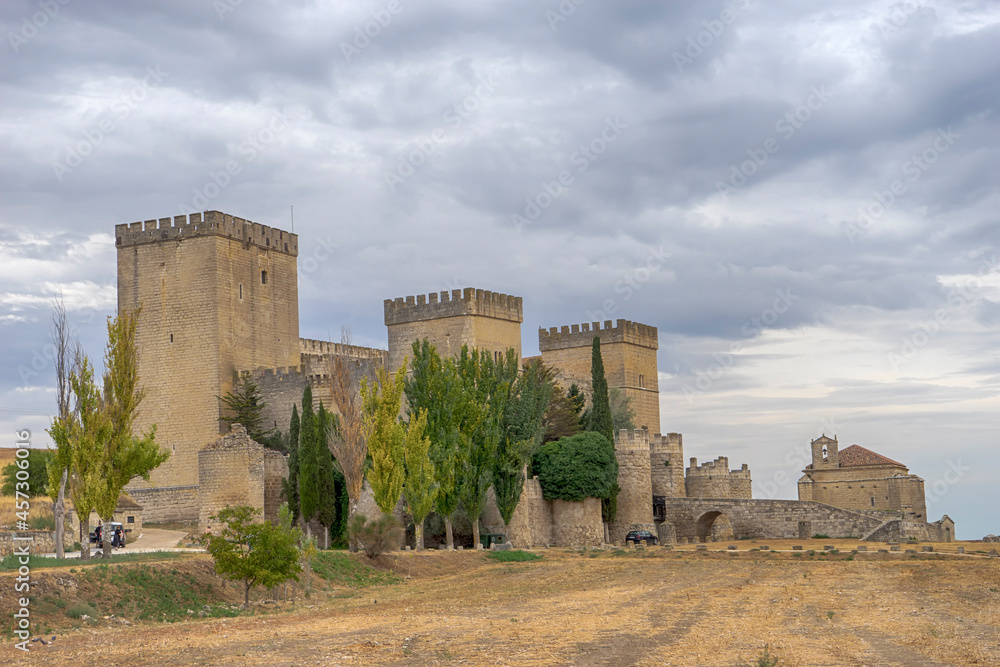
576, 523
714, 479
635, 500
772, 519
477, 318
167, 504
218, 294
628, 350
666, 464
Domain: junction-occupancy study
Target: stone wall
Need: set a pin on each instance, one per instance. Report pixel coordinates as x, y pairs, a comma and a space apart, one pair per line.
666, 465
715, 480
231, 472
541, 523
275, 473
635, 500
167, 504
576, 523
38, 541
775, 519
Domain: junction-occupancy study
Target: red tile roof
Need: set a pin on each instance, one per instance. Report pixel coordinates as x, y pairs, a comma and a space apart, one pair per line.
856, 455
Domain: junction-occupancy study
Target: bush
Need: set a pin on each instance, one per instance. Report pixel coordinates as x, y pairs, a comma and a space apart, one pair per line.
80, 609
577, 467
820, 536
513, 556
376, 536
43, 522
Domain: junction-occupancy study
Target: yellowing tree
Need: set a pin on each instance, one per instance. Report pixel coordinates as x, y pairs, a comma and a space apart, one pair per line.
419, 487
381, 402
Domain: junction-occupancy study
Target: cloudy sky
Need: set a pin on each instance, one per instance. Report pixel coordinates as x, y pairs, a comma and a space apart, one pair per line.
803, 199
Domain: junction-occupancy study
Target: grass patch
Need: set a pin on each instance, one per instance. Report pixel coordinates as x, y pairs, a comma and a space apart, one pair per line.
340, 569
11, 562
514, 556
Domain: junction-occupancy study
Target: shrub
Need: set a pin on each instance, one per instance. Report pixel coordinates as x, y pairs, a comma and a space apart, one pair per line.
765, 659
820, 536
577, 467
376, 536
80, 609
513, 556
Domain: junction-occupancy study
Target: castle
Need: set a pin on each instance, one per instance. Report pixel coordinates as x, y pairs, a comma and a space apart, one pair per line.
219, 295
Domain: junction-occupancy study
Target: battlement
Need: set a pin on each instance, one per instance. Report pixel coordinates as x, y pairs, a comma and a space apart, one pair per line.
322, 348
457, 303
719, 466
582, 335
636, 439
671, 442
214, 223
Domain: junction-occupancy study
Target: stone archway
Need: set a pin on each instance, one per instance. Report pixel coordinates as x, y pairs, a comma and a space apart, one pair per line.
713, 526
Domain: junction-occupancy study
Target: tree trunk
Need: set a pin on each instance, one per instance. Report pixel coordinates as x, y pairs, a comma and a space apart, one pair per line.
607, 534
418, 536
352, 509
84, 538
475, 534
107, 535
60, 513
326, 529
246, 594
449, 536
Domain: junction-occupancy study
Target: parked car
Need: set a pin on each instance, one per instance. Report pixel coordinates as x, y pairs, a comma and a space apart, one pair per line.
637, 536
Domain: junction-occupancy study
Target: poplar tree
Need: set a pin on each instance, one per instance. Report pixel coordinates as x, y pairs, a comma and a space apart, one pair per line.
327, 509
480, 432
436, 388
419, 487
381, 401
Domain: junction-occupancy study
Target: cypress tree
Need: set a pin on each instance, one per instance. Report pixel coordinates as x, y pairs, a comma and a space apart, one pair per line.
326, 510
291, 485
308, 459
600, 422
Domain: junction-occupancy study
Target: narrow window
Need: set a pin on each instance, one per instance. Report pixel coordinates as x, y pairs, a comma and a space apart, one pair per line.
171, 338
642, 381
263, 277
241, 291
873, 501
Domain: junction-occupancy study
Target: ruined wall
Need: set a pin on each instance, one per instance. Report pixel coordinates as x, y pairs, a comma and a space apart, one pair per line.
218, 294
628, 350
635, 500
714, 479
576, 523
38, 541
473, 317
231, 473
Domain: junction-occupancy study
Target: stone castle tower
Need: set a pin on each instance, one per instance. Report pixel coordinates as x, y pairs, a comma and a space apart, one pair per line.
219, 294
628, 350
474, 317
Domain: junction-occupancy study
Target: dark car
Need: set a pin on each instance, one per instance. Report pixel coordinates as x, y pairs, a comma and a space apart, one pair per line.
117, 536
637, 536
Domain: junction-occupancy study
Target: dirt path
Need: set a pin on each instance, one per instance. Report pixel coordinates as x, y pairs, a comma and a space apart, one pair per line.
652, 608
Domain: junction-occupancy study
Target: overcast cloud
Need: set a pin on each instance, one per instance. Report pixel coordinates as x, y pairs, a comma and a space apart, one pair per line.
802, 198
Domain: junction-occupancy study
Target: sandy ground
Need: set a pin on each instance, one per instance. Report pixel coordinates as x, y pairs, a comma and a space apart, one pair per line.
635, 607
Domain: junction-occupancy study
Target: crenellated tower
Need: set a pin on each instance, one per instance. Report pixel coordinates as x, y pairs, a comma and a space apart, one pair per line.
628, 350
219, 294
474, 317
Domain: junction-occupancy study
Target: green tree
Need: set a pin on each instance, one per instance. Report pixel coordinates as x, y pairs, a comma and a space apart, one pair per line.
562, 417
521, 431
256, 554
124, 456
308, 461
79, 436
381, 402
578, 467
246, 403
436, 388
326, 474
601, 422
419, 487
290, 486
36, 464
481, 430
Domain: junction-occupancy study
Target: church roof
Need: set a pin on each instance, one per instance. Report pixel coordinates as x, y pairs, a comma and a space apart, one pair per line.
856, 455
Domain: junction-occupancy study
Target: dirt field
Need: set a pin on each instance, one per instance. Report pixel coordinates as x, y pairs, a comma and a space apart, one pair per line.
650, 606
